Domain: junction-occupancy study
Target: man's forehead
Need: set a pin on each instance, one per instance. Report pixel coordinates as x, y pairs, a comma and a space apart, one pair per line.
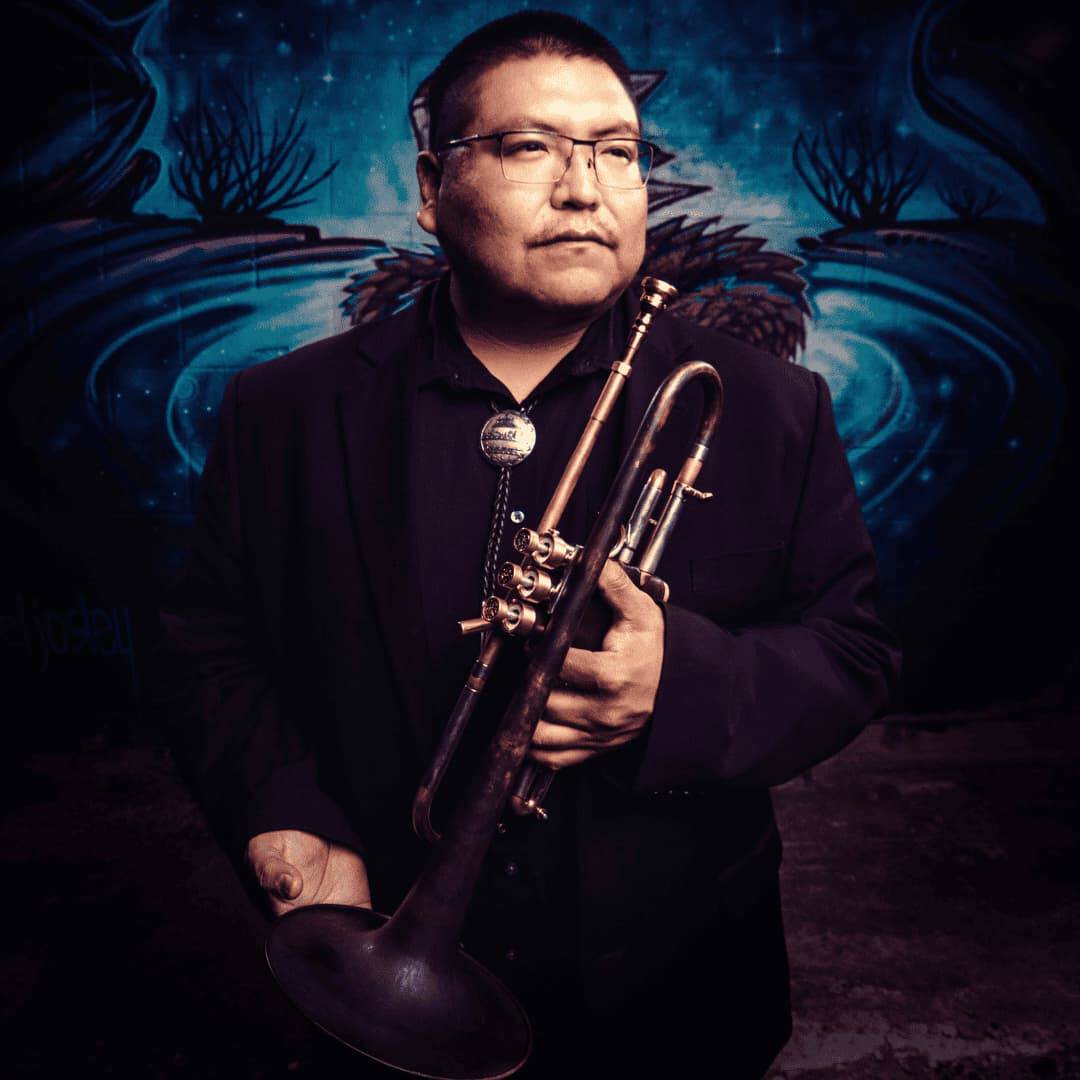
547, 92
537, 122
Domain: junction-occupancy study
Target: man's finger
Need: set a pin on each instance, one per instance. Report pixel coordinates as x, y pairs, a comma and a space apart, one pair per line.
570, 708
625, 598
280, 877
290, 886
582, 670
556, 736
560, 759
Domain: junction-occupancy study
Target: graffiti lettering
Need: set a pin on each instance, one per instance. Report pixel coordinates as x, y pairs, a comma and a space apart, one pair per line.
81, 630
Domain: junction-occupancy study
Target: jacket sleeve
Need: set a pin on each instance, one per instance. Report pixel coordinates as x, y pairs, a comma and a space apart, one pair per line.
757, 705
226, 716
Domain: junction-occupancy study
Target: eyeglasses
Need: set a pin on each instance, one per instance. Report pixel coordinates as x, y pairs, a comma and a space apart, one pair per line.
542, 157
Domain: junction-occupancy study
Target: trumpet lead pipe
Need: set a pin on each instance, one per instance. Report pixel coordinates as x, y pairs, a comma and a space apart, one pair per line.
655, 296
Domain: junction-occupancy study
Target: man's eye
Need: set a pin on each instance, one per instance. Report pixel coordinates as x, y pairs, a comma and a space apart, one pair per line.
526, 146
621, 152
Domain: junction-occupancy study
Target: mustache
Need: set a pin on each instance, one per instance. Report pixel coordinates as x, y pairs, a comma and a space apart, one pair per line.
595, 236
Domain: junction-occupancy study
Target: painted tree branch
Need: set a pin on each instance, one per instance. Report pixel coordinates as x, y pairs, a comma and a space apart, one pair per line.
851, 169
967, 199
228, 168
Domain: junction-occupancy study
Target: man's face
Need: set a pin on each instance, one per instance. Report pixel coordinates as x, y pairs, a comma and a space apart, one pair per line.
513, 243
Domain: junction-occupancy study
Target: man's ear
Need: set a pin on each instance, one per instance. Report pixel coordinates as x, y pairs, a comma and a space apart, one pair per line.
428, 176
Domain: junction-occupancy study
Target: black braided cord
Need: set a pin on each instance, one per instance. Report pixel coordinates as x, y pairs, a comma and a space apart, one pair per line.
498, 521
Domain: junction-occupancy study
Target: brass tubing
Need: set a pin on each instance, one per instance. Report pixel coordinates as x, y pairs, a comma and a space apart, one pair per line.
455, 728
531, 790
643, 511
655, 296
665, 525
434, 910
580, 456
538, 778
669, 516
688, 474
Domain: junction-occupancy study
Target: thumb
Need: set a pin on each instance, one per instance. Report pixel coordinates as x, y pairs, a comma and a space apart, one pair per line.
280, 877
623, 596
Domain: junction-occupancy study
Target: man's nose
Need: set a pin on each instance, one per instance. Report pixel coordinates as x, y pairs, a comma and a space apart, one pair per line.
578, 185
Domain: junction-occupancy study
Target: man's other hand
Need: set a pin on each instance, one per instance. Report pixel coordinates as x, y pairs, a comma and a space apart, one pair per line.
604, 699
298, 868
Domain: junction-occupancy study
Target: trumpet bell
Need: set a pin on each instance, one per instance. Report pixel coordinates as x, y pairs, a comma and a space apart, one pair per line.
447, 1018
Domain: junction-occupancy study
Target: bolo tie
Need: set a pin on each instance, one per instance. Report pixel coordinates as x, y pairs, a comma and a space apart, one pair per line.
506, 440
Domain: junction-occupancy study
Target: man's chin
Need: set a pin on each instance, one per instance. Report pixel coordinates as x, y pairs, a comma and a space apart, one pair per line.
576, 288
562, 295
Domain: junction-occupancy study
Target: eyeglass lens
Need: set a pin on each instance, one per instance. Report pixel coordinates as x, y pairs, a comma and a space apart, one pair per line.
541, 157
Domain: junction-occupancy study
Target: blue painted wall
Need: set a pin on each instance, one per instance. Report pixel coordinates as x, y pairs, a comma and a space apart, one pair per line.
888, 197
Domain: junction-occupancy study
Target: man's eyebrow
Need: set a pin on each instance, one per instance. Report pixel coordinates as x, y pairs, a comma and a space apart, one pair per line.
530, 123
623, 128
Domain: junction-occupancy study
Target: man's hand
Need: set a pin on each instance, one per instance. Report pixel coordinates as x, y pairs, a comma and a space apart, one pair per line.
297, 868
605, 698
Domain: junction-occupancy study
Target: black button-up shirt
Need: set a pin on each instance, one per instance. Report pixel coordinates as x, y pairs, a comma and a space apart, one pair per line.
527, 888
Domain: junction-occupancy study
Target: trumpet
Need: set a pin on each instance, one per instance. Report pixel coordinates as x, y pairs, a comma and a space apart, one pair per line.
401, 990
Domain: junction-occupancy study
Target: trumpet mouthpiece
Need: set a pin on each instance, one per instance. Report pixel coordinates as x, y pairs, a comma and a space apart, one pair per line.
656, 293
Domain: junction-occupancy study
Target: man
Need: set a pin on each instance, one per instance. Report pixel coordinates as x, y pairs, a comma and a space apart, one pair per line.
347, 519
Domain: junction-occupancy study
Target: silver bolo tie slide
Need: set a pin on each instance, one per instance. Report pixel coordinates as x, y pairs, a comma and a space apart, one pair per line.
507, 438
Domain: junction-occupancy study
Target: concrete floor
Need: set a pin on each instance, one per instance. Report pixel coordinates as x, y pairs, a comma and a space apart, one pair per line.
930, 881
930, 889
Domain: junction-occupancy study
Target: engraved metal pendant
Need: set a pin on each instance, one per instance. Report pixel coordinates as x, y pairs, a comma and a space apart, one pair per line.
508, 438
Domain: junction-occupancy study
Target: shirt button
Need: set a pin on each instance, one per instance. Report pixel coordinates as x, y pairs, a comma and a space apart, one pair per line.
511, 955
517, 516
500, 828
510, 868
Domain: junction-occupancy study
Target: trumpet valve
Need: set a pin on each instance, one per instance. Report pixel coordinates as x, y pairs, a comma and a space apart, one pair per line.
513, 576
514, 616
547, 549
531, 543
531, 582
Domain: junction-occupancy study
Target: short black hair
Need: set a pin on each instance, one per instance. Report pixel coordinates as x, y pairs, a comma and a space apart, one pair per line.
521, 35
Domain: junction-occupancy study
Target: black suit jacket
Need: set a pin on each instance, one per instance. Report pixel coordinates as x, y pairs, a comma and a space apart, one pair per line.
300, 701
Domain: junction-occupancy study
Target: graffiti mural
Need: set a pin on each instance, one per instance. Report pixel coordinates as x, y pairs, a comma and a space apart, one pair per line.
885, 198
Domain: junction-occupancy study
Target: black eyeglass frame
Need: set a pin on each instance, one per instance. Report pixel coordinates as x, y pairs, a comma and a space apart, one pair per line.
465, 140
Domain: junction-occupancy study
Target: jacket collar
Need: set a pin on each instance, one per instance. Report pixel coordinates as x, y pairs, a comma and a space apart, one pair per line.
450, 361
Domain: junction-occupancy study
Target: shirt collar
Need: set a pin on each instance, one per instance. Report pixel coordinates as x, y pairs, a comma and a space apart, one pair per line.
451, 362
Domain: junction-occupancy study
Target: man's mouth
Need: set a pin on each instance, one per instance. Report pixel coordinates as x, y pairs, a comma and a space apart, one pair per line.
575, 238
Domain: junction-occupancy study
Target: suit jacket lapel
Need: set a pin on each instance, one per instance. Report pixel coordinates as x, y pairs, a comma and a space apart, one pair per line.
375, 408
